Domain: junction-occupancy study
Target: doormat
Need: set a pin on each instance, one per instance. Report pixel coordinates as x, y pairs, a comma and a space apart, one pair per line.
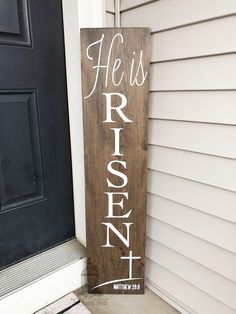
69, 304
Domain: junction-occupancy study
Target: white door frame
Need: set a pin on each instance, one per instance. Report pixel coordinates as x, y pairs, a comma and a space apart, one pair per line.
76, 14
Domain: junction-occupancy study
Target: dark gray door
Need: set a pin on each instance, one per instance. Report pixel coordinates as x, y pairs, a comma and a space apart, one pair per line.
36, 201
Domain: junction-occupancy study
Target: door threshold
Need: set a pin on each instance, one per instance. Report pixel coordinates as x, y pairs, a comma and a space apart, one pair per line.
40, 280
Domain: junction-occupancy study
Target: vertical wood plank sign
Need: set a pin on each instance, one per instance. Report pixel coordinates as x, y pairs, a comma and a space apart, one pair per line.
115, 74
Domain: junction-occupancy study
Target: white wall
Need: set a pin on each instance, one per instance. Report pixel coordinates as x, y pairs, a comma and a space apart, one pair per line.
191, 214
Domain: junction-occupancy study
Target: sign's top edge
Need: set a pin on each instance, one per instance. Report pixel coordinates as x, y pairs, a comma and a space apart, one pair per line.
116, 28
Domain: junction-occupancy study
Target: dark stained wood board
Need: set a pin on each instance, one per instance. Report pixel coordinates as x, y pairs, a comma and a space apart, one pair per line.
132, 47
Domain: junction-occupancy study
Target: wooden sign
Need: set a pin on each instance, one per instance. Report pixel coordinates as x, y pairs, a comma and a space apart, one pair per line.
115, 73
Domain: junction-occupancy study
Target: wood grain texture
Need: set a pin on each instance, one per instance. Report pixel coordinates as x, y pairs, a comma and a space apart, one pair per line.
104, 263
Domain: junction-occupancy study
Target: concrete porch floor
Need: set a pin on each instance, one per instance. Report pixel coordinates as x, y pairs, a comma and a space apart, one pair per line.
149, 303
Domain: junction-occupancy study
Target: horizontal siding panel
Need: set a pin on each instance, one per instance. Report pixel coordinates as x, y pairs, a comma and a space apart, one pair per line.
217, 171
110, 19
210, 228
194, 273
197, 137
184, 291
218, 72
208, 199
206, 106
198, 250
210, 38
161, 15
129, 4
110, 5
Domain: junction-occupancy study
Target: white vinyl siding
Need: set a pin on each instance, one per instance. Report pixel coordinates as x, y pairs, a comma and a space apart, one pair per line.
110, 19
110, 13
110, 6
204, 39
213, 139
162, 15
191, 209
211, 73
199, 106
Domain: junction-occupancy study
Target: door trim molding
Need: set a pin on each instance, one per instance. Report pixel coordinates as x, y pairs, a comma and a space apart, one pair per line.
78, 14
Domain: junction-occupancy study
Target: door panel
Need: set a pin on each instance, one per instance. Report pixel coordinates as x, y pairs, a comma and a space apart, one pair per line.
21, 173
14, 25
36, 200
